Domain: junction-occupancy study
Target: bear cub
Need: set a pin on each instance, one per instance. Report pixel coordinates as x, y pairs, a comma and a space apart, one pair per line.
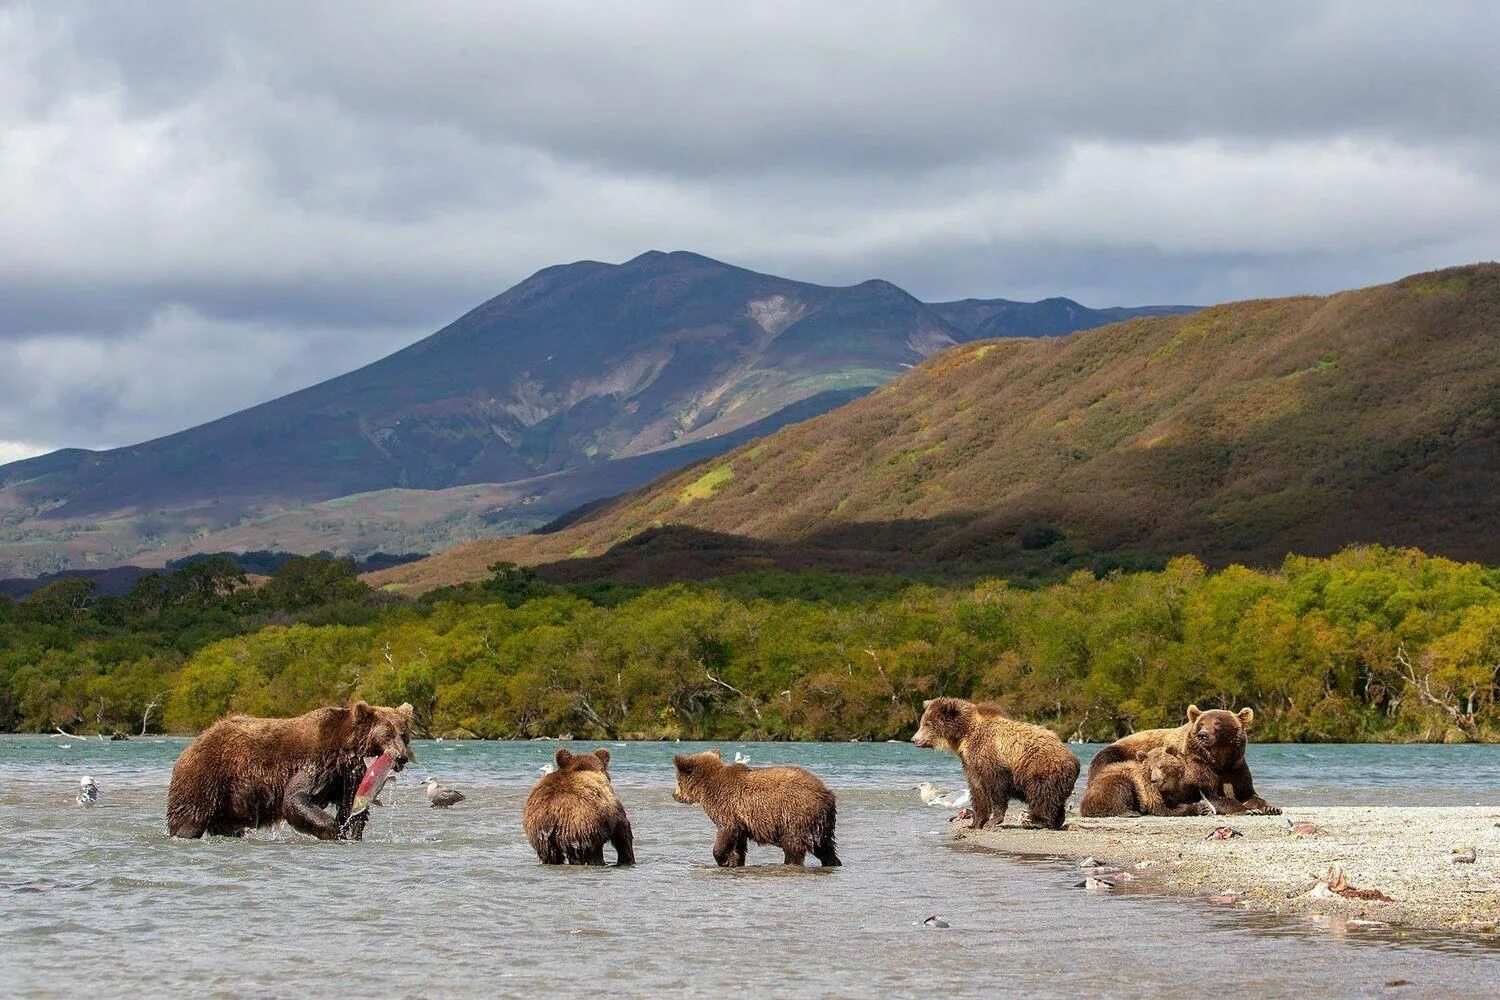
573, 812
784, 806
1150, 785
1003, 759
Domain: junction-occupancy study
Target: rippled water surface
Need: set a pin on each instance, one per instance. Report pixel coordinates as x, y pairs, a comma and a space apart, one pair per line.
98, 902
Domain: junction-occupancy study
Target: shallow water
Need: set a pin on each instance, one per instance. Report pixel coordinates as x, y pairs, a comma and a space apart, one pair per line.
99, 902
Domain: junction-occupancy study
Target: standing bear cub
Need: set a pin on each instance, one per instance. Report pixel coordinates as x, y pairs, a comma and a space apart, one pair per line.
1003, 759
244, 773
573, 812
1153, 784
1212, 744
785, 806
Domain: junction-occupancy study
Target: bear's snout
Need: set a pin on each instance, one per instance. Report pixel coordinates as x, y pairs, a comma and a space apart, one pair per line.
401, 754
923, 738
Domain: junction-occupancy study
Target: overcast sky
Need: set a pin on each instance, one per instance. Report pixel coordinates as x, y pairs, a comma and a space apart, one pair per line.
204, 207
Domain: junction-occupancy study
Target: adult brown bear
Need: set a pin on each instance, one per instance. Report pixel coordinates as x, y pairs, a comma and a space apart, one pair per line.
573, 812
1213, 744
785, 806
1003, 759
244, 772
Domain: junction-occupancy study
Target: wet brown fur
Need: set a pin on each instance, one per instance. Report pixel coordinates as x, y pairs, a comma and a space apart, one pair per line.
1002, 759
243, 772
573, 812
1213, 745
785, 806
1148, 785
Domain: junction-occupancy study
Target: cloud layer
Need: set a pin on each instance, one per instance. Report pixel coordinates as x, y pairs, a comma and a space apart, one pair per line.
205, 208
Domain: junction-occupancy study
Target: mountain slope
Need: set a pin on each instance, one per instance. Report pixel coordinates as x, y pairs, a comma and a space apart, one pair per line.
585, 380
1240, 432
982, 319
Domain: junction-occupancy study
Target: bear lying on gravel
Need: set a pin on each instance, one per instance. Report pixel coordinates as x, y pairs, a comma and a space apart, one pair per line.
573, 812
1003, 759
1146, 785
1213, 745
785, 806
244, 773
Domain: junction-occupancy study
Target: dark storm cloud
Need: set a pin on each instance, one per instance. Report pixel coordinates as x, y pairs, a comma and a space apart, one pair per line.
272, 193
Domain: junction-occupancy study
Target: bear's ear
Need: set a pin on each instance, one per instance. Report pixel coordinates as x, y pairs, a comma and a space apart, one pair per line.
603, 756
1193, 712
361, 710
406, 710
1141, 755
1172, 751
1247, 716
562, 757
715, 752
928, 703
680, 762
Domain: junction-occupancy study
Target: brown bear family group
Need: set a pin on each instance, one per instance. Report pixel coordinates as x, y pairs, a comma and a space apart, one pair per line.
1190, 770
245, 772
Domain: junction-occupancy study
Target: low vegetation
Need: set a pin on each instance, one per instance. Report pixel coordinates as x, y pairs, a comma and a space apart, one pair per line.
1371, 644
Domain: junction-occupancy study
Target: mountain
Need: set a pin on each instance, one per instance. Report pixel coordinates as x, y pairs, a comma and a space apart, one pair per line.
1240, 432
988, 318
583, 381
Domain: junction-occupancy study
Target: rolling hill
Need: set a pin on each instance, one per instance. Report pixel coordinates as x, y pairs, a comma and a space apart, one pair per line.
580, 382
1240, 432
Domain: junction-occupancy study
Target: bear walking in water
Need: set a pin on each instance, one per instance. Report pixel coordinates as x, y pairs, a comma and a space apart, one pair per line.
244, 772
785, 806
1003, 759
573, 812
1150, 784
1212, 744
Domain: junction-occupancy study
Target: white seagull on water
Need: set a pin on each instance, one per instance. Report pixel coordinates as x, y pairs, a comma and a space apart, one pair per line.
88, 790
940, 798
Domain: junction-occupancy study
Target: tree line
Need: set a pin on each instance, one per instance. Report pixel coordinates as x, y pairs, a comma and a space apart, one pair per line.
1372, 644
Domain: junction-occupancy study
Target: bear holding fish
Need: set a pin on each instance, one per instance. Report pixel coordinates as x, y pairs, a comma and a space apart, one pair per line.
244, 772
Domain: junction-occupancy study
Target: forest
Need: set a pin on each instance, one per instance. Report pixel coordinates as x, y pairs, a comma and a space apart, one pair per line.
1372, 644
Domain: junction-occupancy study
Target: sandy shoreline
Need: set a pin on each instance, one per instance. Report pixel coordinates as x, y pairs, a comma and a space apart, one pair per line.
1404, 853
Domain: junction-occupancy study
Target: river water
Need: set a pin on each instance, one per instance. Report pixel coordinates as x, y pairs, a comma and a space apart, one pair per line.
98, 902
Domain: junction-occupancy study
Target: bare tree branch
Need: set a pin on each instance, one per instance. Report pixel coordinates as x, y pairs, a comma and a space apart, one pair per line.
731, 688
1422, 685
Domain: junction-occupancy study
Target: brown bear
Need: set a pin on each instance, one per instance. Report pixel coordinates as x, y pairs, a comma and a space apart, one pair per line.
573, 812
1148, 785
1213, 745
1003, 759
243, 772
785, 806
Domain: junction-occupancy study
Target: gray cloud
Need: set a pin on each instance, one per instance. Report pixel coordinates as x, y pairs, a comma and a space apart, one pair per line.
207, 207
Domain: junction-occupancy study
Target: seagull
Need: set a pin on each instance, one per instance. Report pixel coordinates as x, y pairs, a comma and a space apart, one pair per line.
88, 791
546, 769
940, 798
441, 798
741, 758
